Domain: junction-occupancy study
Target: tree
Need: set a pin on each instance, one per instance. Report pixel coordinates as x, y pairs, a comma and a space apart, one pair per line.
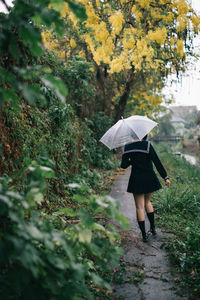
133, 41
21, 44
165, 126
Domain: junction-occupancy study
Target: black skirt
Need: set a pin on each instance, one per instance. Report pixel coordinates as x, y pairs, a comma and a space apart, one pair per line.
143, 182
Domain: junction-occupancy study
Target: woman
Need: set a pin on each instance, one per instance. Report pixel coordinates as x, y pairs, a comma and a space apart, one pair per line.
143, 180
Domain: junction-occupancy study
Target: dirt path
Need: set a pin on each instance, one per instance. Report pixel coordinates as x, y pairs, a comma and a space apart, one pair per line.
140, 260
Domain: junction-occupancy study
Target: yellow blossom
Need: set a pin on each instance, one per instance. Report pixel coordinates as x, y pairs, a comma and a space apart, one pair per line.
65, 10
172, 41
196, 22
61, 54
46, 35
81, 53
159, 35
92, 16
117, 21
169, 18
180, 48
128, 41
155, 14
118, 64
144, 3
182, 7
155, 100
182, 23
72, 43
101, 32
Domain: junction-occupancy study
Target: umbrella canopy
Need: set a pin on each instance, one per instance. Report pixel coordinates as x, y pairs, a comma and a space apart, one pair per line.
131, 129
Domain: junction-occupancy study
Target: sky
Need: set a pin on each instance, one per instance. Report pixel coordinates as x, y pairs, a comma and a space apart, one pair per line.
187, 90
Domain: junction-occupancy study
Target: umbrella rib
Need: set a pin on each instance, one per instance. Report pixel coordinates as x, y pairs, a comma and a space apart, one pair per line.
118, 130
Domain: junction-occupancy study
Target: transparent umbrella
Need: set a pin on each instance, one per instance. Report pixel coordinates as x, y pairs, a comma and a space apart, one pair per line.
131, 129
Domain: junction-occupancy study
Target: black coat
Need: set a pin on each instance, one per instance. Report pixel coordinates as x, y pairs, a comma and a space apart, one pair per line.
143, 179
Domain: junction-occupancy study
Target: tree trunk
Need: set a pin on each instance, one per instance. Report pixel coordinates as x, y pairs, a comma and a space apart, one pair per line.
121, 105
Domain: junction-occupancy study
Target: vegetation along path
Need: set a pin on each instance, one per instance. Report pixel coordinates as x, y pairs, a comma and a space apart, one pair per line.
147, 272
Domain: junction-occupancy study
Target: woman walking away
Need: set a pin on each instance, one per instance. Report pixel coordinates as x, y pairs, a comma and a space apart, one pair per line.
143, 180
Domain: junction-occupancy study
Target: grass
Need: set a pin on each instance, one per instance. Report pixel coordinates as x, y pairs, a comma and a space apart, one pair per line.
178, 212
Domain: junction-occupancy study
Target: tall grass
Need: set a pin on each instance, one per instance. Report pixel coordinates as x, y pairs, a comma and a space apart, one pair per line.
178, 211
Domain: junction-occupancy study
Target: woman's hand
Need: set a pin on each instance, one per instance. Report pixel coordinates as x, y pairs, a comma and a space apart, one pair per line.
167, 182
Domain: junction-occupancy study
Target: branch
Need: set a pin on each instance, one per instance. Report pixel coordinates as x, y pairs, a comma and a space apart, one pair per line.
6, 5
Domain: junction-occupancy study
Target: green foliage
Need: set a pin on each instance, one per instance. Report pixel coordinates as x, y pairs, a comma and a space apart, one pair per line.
21, 44
45, 261
52, 243
165, 126
178, 212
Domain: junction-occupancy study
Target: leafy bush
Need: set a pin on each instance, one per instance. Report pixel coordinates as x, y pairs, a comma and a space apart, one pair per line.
48, 256
178, 212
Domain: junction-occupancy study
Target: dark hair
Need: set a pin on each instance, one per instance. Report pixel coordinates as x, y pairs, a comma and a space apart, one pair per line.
145, 137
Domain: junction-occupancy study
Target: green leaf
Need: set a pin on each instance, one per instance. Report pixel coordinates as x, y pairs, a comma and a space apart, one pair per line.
8, 78
99, 281
102, 203
85, 236
86, 218
26, 35
57, 85
31, 93
58, 6
9, 95
34, 232
13, 47
47, 172
97, 226
14, 195
66, 211
34, 196
78, 10
79, 271
36, 49
32, 38
6, 200
123, 220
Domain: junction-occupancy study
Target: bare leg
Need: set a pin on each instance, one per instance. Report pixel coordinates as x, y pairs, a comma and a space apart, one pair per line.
139, 203
148, 204
150, 212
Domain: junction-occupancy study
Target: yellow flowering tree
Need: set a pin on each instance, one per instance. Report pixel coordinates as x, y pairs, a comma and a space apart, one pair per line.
130, 42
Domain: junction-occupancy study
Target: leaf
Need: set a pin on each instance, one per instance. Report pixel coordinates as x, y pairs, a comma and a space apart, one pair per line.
100, 202
47, 172
31, 93
86, 218
66, 211
32, 38
85, 236
34, 196
123, 220
6, 200
8, 78
97, 226
79, 271
14, 195
99, 281
57, 85
78, 10
9, 95
34, 232
13, 47
58, 6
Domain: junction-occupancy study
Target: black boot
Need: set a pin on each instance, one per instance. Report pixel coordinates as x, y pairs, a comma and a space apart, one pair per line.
142, 228
152, 223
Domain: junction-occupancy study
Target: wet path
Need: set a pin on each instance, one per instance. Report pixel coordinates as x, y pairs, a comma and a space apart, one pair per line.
148, 260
